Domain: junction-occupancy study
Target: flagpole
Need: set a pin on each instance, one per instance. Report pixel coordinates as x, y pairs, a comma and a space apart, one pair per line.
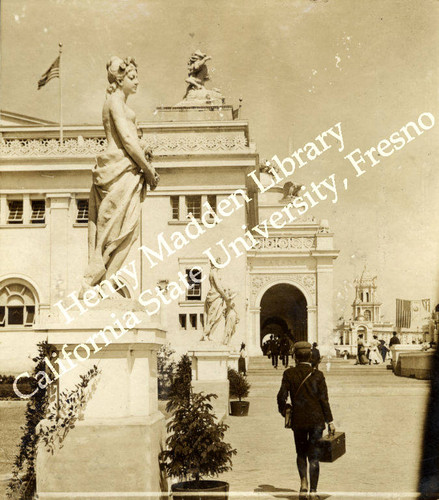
61, 138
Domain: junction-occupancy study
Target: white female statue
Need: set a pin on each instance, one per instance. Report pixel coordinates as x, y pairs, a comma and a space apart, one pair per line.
120, 177
214, 303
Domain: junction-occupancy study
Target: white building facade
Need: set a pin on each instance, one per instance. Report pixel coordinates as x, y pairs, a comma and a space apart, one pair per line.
203, 154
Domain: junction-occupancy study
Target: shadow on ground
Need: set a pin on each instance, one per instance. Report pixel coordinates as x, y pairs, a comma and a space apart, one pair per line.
285, 493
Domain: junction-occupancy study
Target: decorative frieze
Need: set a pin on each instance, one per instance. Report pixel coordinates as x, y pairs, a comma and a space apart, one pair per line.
90, 147
194, 143
306, 280
281, 243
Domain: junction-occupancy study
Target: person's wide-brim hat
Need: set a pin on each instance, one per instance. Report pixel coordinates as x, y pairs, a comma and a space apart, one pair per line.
302, 346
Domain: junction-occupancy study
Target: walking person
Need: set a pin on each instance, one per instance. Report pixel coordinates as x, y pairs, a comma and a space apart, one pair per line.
383, 350
315, 356
374, 355
361, 351
285, 351
243, 360
306, 387
275, 352
394, 340
270, 343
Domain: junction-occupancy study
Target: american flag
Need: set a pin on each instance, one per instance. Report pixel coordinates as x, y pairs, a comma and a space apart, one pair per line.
403, 313
52, 72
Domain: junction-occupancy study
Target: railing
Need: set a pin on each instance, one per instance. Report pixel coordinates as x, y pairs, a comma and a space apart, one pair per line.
161, 144
281, 243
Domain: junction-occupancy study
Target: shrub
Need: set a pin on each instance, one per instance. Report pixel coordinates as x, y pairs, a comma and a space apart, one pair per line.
165, 371
23, 385
239, 386
196, 447
45, 420
180, 389
22, 484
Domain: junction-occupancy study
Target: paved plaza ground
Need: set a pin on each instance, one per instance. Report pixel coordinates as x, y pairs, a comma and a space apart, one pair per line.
381, 414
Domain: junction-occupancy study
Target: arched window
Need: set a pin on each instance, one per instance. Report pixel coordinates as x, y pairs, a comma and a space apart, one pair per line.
17, 305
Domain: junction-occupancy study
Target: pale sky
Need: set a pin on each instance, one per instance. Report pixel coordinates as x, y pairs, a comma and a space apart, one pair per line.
300, 66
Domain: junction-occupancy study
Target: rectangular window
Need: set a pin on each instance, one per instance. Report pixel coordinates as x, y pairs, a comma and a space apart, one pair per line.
194, 279
193, 321
182, 320
193, 206
15, 315
175, 208
15, 212
202, 320
82, 213
38, 211
211, 199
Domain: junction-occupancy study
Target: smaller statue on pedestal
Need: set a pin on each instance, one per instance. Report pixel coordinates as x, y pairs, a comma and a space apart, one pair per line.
291, 191
231, 317
214, 303
198, 75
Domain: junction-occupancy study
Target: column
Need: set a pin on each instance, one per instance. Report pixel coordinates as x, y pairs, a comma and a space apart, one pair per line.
254, 332
312, 323
324, 303
26, 209
59, 244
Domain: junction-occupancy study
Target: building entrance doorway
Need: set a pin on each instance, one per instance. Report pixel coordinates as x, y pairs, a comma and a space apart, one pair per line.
284, 313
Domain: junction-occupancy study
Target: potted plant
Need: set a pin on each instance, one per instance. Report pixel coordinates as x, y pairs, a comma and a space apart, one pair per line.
239, 388
195, 447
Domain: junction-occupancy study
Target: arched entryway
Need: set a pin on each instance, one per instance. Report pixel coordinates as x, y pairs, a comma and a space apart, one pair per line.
284, 313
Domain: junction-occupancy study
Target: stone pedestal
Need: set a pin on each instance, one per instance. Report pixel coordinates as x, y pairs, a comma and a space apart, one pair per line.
417, 365
113, 449
397, 349
209, 374
233, 360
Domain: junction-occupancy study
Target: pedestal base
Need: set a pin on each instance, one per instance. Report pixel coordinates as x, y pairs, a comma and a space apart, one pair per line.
113, 451
117, 459
209, 374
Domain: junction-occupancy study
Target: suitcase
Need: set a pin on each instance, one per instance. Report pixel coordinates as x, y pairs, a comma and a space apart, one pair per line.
332, 447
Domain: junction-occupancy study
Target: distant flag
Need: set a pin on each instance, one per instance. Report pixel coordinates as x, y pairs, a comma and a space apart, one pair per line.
55, 72
403, 313
52, 72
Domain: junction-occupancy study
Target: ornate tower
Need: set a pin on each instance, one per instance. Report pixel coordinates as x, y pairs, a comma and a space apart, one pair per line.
365, 306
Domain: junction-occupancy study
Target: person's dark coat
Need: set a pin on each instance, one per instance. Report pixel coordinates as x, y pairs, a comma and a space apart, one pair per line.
315, 357
274, 347
394, 341
284, 347
311, 406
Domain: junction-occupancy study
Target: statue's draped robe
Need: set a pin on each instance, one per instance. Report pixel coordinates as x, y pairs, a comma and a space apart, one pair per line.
213, 306
114, 212
231, 320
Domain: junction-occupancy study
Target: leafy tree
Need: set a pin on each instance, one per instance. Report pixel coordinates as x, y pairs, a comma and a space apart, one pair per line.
196, 447
165, 371
239, 386
180, 389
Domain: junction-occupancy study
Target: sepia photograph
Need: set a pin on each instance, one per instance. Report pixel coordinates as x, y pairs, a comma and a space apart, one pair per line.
219, 272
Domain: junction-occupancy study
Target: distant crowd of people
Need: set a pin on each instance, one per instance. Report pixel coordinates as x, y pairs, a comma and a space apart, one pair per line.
375, 353
281, 348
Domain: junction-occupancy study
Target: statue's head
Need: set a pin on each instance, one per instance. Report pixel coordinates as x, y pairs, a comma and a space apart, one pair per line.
120, 72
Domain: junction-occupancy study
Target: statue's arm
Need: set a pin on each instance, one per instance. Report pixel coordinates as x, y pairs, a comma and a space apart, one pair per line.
218, 286
198, 64
130, 143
